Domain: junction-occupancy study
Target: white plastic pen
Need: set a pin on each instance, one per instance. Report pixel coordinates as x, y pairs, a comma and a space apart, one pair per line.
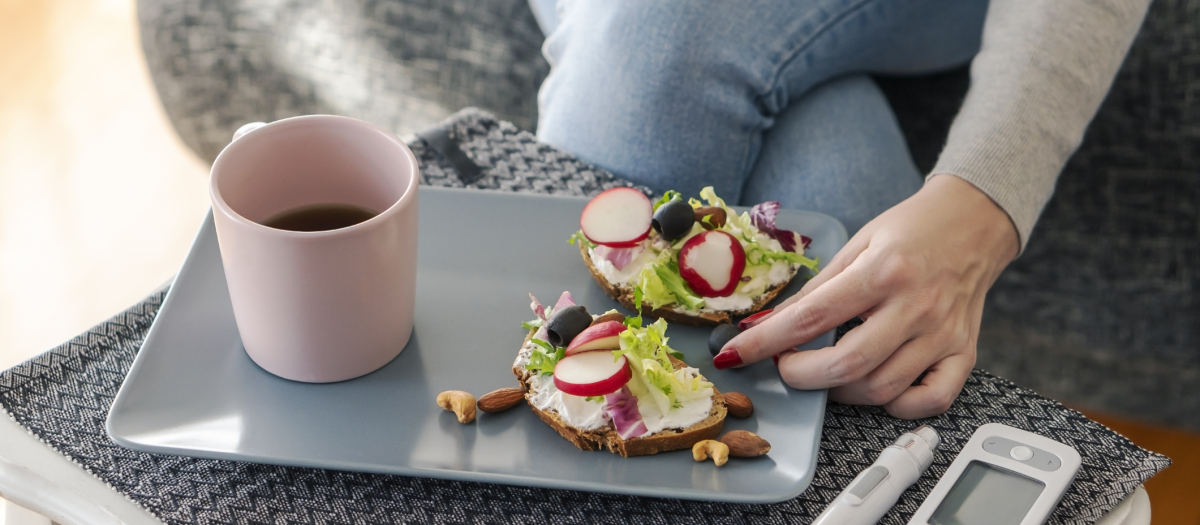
877, 488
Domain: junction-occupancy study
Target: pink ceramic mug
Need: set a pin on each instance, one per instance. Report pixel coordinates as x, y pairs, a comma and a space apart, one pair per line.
326, 305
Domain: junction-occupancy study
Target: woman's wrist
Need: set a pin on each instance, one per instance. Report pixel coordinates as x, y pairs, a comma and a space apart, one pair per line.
984, 223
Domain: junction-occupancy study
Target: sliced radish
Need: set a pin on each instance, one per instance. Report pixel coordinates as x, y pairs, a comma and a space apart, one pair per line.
619, 217
591, 374
601, 336
712, 263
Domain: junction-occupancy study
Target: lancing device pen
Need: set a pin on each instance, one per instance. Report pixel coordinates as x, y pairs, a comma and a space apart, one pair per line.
877, 488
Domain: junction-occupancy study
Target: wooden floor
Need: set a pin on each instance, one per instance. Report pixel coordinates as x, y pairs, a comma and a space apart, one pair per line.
99, 200
1174, 492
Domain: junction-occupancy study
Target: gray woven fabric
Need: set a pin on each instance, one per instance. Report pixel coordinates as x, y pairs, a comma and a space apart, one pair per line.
511, 159
63, 397
218, 64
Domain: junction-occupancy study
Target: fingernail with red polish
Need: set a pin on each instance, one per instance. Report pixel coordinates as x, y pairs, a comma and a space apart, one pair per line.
728, 358
749, 322
776, 359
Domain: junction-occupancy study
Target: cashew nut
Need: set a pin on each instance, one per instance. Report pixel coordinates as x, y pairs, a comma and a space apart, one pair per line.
459, 402
718, 450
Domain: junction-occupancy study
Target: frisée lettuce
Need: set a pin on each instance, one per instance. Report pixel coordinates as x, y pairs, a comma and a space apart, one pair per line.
661, 284
544, 357
654, 376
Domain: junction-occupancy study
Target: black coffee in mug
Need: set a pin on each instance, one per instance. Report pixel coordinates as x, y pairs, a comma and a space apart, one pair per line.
319, 217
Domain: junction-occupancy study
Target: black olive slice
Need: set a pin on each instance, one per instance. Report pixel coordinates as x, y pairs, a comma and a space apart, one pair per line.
565, 324
673, 220
721, 335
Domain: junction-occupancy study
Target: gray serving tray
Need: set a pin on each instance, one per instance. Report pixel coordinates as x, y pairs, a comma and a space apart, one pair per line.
193, 391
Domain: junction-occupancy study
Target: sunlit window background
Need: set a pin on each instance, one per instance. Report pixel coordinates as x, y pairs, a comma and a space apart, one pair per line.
98, 197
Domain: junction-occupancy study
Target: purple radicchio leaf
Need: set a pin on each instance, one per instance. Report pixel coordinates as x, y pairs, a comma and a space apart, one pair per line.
622, 407
620, 257
762, 216
564, 301
537, 307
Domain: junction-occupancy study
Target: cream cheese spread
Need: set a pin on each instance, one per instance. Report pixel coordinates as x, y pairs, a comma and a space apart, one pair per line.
631, 270
574, 410
736, 301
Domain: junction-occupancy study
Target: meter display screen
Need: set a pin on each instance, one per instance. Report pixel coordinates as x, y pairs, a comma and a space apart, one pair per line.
987, 495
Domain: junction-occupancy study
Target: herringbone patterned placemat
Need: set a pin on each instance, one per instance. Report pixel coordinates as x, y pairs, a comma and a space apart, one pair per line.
63, 397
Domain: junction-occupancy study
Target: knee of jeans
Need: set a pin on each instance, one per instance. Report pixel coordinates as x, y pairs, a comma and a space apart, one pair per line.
648, 91
648, 54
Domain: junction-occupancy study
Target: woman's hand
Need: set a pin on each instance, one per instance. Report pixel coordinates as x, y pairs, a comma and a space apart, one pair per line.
917, 275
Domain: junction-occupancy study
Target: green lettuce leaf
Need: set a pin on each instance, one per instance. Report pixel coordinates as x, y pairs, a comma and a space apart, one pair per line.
649, 355
653, 290
661, 285
544, 357
757, 255
669, 196
668, 275
713, 200
759, 262
737, 225
636, 321
578, 236
741, 224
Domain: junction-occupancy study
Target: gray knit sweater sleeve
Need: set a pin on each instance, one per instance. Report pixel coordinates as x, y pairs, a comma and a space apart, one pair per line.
1043, 69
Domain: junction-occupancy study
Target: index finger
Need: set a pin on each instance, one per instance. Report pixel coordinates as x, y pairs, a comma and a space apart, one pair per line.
842, 259
842, 297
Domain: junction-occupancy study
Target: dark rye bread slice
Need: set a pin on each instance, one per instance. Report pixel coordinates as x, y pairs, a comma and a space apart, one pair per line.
607, 437
624, 295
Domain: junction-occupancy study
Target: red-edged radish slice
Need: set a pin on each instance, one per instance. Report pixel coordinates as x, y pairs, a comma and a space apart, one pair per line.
712, 263
619, 217
591, 374
603, 336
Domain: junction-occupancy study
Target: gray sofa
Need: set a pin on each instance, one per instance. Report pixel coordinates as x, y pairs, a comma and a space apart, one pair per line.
1103, 310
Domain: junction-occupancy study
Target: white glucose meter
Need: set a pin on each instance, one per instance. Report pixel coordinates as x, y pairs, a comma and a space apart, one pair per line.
1003, 476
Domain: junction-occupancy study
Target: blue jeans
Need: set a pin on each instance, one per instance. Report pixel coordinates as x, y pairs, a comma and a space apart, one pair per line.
762, 99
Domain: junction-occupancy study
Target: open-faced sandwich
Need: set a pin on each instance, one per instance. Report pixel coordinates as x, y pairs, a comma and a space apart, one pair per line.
691, 262
607, 382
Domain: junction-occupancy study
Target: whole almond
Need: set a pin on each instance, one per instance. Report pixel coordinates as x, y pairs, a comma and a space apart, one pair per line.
716, 220
745, 444
500, 400
739, 405
615, 316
